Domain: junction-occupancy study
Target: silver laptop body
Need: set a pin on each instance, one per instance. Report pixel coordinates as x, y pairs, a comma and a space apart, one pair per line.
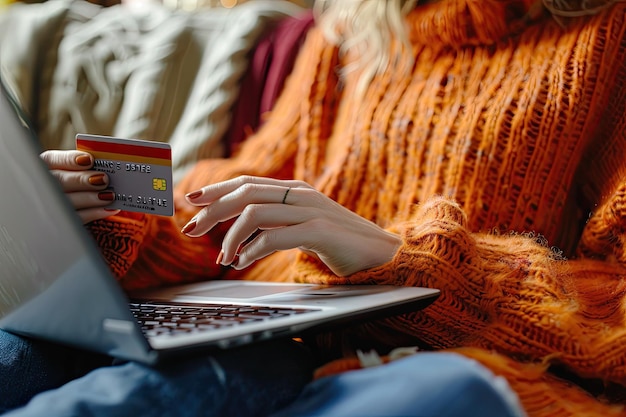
55, 285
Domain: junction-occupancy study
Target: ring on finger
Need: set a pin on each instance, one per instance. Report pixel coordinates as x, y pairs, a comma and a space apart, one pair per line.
285, 196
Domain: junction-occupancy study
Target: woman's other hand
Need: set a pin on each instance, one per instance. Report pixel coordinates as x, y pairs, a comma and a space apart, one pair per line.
85, 187
274, 215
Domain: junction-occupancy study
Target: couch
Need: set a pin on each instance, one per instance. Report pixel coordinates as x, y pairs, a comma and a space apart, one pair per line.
199, 80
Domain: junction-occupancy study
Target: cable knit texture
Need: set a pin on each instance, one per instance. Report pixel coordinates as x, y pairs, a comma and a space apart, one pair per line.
501, 161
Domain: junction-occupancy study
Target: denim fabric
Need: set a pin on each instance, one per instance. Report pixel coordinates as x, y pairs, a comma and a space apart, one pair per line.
422, 385
251, 381
27, 368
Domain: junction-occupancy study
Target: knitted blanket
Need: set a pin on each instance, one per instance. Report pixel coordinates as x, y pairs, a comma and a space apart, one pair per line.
140, 72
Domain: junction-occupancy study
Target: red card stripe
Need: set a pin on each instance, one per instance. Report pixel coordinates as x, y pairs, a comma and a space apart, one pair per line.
118, 148
131, 158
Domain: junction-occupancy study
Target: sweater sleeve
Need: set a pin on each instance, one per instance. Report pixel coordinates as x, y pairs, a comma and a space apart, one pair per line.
508, 293
603, 177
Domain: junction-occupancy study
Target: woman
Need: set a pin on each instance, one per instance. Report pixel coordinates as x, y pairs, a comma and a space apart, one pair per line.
477, 148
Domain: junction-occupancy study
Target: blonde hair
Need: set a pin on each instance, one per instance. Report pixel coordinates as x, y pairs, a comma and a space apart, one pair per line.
367, 27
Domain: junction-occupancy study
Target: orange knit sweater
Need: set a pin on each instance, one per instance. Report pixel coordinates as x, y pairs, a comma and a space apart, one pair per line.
500, 159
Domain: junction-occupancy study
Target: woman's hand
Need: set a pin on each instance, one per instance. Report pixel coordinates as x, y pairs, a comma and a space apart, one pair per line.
85, 187
288, 214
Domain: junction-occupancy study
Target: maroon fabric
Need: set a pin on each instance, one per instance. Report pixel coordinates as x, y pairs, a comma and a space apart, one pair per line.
271, 62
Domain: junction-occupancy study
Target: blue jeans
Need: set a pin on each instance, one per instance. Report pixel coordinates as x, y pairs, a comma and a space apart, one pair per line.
426, 384
252, 381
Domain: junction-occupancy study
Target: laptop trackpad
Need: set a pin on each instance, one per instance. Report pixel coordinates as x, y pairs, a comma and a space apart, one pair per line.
243, 291
295, 291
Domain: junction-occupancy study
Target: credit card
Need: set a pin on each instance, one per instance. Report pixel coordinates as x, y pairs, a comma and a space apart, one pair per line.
140, 172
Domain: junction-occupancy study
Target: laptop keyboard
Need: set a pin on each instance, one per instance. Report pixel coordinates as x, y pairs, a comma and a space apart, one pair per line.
162, 318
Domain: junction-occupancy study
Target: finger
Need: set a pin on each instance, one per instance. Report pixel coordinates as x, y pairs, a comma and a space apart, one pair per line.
92, 214
342, 251
67, 160
232, 204
85, 200
213, 192
261, 217
270, 241
72, 181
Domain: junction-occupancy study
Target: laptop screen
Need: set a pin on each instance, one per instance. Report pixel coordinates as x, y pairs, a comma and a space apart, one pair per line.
31, 257
54, 282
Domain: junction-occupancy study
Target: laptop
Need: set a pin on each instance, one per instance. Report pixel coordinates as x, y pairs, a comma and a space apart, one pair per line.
55, 284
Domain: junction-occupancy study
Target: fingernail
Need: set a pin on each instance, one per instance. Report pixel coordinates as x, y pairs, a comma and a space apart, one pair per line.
194, 194
97, 179
189, 227
106, 196
111, 209
220, 257
83, 160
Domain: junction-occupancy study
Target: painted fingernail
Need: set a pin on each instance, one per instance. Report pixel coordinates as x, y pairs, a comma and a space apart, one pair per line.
194, 194
189, 227
97, 179
83, 160
106, 196
220, 257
